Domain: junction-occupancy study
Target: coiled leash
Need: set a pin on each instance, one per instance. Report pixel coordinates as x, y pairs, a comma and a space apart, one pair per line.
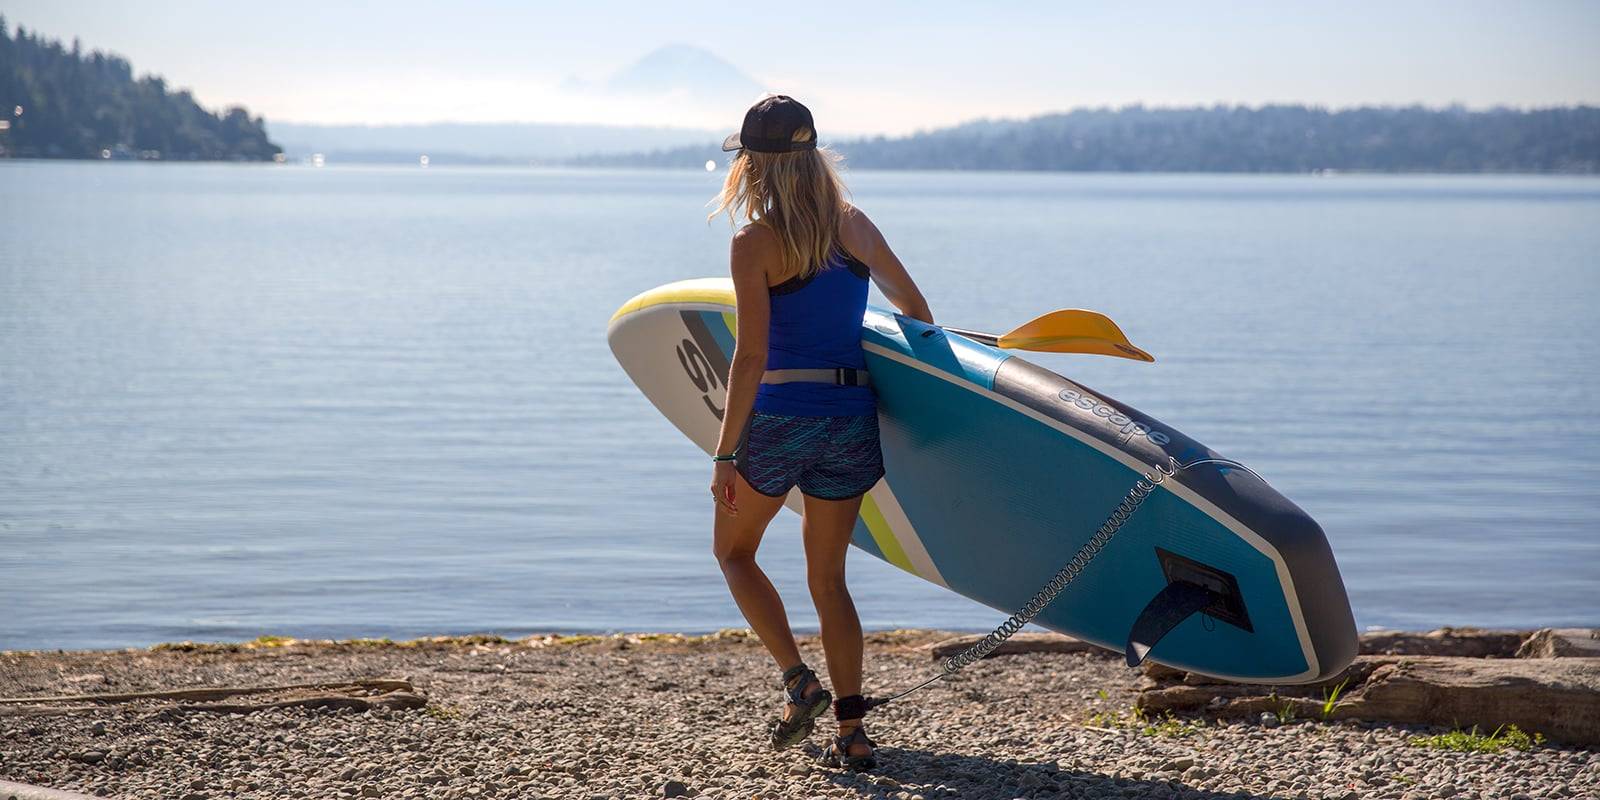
1141, 491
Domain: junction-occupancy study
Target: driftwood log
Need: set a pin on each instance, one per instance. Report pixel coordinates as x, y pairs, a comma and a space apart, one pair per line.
1463, 642
1016, 645
1545, 681
360, 695
1559, 698
27, 791
1561, 643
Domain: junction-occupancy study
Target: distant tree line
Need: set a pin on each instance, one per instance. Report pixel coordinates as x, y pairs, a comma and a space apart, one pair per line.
1278, 138
62, 103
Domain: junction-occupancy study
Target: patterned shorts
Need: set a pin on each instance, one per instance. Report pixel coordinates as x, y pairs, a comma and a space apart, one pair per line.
830, 458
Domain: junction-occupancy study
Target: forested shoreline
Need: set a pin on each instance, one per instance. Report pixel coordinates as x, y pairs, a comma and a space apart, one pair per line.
1279, 138
57, 101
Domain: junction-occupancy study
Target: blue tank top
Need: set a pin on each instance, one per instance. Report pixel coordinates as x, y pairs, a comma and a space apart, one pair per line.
816, 322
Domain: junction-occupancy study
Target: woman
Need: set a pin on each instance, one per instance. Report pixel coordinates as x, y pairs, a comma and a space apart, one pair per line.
800, 410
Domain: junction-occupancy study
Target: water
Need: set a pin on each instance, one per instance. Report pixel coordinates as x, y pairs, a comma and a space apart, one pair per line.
238, 400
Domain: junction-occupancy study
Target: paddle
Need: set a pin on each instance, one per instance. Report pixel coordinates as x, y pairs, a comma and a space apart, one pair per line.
1069, 330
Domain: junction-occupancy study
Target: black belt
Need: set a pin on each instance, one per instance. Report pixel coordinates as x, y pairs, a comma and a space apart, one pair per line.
842, 376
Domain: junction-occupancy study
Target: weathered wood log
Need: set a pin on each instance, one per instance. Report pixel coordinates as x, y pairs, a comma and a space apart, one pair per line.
1016, 645
357, 695
398, 701
216, 692
1559, 698
1561, 643
27, 791
1466, 642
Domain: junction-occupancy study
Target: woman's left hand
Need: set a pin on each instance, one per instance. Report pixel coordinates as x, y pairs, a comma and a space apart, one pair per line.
722, 486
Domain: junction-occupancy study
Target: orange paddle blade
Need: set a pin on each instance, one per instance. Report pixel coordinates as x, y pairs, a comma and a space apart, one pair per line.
1073, 330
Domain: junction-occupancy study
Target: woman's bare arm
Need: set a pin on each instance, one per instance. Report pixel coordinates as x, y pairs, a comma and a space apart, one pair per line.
866, 242
754, 250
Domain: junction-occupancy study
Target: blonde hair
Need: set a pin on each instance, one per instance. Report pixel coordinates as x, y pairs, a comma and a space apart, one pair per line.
798, 195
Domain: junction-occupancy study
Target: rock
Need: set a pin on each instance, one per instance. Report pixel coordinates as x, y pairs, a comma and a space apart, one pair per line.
89, 756
675, 789
1561, 643
1269, 719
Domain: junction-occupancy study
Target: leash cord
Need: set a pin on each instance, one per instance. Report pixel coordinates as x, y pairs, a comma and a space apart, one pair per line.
1141, 491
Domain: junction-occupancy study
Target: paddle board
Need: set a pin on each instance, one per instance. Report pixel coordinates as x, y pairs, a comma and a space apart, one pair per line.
999, 470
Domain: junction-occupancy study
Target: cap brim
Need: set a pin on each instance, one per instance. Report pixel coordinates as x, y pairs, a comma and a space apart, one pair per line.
731, 143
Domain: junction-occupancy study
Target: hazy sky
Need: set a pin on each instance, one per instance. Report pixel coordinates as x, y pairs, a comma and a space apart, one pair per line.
861, 66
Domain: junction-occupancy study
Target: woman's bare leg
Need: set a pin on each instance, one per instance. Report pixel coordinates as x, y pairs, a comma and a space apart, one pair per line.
827, 528
734, 542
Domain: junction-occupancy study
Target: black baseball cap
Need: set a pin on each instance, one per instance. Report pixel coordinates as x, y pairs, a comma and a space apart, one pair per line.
770, 124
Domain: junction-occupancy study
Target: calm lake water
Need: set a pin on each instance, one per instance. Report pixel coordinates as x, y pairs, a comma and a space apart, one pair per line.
238, 400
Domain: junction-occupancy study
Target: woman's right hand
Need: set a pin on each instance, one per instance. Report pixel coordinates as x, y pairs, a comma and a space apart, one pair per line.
722, 486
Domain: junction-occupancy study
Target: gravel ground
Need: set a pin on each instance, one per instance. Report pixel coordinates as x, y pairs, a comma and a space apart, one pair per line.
633, 717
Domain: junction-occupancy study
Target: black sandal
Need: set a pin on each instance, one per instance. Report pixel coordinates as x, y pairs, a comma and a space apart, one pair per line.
837, 754
792, 731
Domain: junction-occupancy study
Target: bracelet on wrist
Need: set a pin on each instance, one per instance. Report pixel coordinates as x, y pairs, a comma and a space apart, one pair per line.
728, 457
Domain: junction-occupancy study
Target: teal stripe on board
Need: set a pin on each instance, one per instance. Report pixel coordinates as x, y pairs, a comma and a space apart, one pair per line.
719, 331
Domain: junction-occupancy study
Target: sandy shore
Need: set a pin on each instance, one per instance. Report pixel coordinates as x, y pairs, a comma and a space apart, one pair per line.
635, 717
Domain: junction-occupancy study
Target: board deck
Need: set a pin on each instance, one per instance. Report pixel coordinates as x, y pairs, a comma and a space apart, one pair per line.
999, 470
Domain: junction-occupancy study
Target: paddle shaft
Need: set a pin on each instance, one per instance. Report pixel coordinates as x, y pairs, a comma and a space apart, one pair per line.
991, 339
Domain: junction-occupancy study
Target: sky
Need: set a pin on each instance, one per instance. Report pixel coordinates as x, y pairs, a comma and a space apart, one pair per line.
862, 67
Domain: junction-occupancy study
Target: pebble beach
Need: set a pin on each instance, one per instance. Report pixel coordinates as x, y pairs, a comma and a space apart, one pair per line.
639, 716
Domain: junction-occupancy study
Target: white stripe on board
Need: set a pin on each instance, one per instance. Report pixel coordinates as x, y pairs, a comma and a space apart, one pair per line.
901, 529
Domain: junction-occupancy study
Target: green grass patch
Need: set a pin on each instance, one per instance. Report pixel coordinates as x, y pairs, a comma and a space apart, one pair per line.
1505, 737
1165, 726
576, 639
443, 712
1330, 701
1282, 709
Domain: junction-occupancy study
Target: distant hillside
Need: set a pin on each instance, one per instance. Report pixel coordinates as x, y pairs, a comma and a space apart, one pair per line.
472, 143
1226, 139
689, 85
60, 103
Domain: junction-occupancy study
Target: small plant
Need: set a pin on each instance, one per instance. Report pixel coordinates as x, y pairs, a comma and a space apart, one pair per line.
1403, 779
444, 712
1284, 712
1471, 741
1331, 701
273, 641
1170, 727
1166, 726
1101, 693
1107, 719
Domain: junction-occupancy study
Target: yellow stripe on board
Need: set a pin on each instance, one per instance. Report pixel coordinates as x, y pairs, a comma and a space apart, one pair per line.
699, 290
883, 534
732, 321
